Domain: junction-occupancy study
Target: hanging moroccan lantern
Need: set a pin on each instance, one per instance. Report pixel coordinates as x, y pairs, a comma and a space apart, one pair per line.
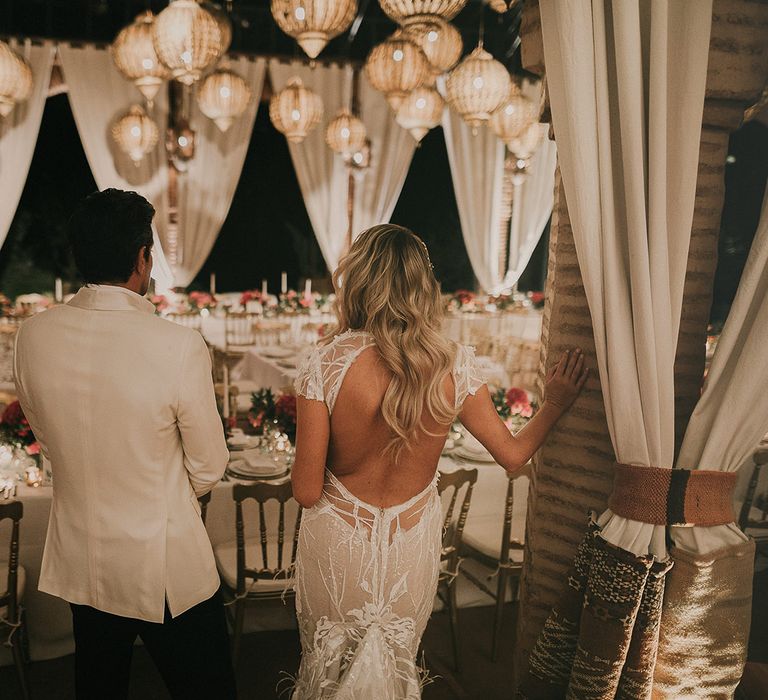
189, 38
295, 110
15, 79
313, 23
397, 66
223, 96
421, 111
513, 117
134, 55
439, 40
526, 143
346, 133
135, 133
477, 87
401, 10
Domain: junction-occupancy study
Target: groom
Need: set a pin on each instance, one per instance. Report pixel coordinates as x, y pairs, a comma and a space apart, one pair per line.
122, 403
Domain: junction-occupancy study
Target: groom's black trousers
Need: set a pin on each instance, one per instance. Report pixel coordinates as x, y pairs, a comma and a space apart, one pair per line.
191, 652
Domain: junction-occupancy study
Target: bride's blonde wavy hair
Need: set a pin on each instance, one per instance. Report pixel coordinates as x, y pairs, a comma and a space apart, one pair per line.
385, 286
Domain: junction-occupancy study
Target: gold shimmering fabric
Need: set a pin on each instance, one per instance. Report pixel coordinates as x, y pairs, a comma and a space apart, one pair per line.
705, 624
600, 641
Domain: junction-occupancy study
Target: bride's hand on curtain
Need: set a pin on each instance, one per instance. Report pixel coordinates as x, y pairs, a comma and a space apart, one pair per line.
513, 452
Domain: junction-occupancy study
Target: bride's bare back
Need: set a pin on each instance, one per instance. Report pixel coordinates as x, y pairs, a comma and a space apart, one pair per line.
359, 436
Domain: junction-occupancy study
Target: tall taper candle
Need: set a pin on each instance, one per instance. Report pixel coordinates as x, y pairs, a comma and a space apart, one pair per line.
213, 284
308, 288
283, 282
58, 293
264, 288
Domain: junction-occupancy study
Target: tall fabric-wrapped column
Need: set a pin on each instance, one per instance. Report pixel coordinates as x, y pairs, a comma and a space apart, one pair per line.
626, 84
705, 625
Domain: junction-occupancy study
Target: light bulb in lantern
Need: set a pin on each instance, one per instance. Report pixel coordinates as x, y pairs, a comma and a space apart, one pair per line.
396, 67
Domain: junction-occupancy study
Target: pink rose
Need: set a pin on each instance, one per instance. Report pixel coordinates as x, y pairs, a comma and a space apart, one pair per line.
516, 396
33, 449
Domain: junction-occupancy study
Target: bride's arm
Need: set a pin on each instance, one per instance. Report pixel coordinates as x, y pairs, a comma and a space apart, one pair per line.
479, 416
312, 433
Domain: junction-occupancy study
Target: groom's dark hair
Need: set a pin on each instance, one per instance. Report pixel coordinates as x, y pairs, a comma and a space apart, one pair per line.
106, 232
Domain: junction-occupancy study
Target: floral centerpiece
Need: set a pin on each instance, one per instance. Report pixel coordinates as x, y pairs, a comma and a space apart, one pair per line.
161, 303
463, 300
15, 430
537, 299
291, 303
504, 302
201, 300
514, 406
268, 409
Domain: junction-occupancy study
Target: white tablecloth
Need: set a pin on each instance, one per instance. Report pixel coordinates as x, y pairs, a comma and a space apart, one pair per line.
467, 328
256, 371
49, 619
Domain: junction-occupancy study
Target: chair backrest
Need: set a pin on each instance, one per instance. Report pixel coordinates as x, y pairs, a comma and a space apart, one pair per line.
190, 319
13, 510
760, 459
275, 562
234, 392
204, 500
238, 327
508, 542
453, 523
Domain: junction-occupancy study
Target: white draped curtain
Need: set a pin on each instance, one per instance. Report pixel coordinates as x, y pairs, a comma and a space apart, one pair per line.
18, 131
477, 170
378, 187
626, 84
323, 178
207, 187
731, 416
536, 197
99, 95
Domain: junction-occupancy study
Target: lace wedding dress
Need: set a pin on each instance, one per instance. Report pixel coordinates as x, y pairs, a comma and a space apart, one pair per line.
366, 577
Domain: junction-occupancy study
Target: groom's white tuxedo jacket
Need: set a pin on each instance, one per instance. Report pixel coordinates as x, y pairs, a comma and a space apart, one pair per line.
122, 403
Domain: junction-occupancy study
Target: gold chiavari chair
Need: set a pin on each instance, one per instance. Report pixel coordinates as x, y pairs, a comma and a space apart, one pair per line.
239, 328
12, 617
261, 568
272, 332
451, 484
189, 319
481, 543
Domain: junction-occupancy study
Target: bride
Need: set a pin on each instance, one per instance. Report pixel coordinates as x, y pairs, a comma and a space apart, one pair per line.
376, 400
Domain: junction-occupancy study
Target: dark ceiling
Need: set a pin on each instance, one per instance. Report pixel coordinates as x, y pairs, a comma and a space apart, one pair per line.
254, 29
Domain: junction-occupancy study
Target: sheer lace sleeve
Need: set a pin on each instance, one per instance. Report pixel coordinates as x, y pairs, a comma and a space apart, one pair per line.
466, 374
309, 378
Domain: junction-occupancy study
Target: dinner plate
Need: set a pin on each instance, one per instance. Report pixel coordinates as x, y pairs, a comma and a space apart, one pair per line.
277, 352
234, 470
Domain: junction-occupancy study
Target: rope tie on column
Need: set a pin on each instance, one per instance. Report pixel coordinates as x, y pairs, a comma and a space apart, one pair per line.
681, 497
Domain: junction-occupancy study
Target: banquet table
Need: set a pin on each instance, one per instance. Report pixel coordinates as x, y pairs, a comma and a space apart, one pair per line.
261, 368
49, 620
467, 328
